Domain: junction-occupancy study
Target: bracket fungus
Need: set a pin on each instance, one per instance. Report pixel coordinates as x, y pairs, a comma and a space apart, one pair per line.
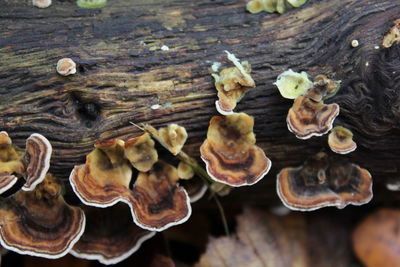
230, 153
173, 137
107, 241
91, 3
36, 160
307, 118
293, 84
41, 3
10, 162
156, 201
323, 88
32, 164
39, 222
141, 153
104, 179
231, 84
271, 6
393, 36
340, 140
323, 182
66, 66
185, 172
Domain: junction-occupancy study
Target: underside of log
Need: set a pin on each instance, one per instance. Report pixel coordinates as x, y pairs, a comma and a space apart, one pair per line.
122, 72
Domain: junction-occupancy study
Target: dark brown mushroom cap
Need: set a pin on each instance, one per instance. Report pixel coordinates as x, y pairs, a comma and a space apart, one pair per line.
340, 140
307, 118
158, 202
231, 84
376, 240
230, 152
36, 160
106, 240
104, 179
39, 222
323, 182
141, 153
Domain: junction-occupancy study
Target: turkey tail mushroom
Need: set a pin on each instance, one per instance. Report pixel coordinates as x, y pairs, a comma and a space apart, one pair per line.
107, 241
323, 182
39, 222
307, 118
32, 164
230, 153
156, 200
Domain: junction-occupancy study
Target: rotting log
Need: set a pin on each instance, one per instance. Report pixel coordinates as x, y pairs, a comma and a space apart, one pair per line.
122, 72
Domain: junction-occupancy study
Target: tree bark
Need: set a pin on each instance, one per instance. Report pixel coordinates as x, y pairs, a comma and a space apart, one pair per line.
122, 72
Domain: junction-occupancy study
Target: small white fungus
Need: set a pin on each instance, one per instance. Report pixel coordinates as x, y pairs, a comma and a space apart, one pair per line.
164, 48
354, 43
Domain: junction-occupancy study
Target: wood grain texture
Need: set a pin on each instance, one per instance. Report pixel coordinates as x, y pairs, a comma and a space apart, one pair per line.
122, 72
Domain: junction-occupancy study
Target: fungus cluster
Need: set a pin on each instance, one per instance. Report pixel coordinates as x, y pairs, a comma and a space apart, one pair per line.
156, 200
271, 6
37, 221
232, 159
323, 181
309, 116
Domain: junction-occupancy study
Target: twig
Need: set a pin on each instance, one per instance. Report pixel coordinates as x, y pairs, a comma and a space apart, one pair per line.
222, 213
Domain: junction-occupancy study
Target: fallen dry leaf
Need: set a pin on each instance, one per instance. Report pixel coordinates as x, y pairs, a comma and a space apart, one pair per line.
376, 241
267, 240
261, 240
